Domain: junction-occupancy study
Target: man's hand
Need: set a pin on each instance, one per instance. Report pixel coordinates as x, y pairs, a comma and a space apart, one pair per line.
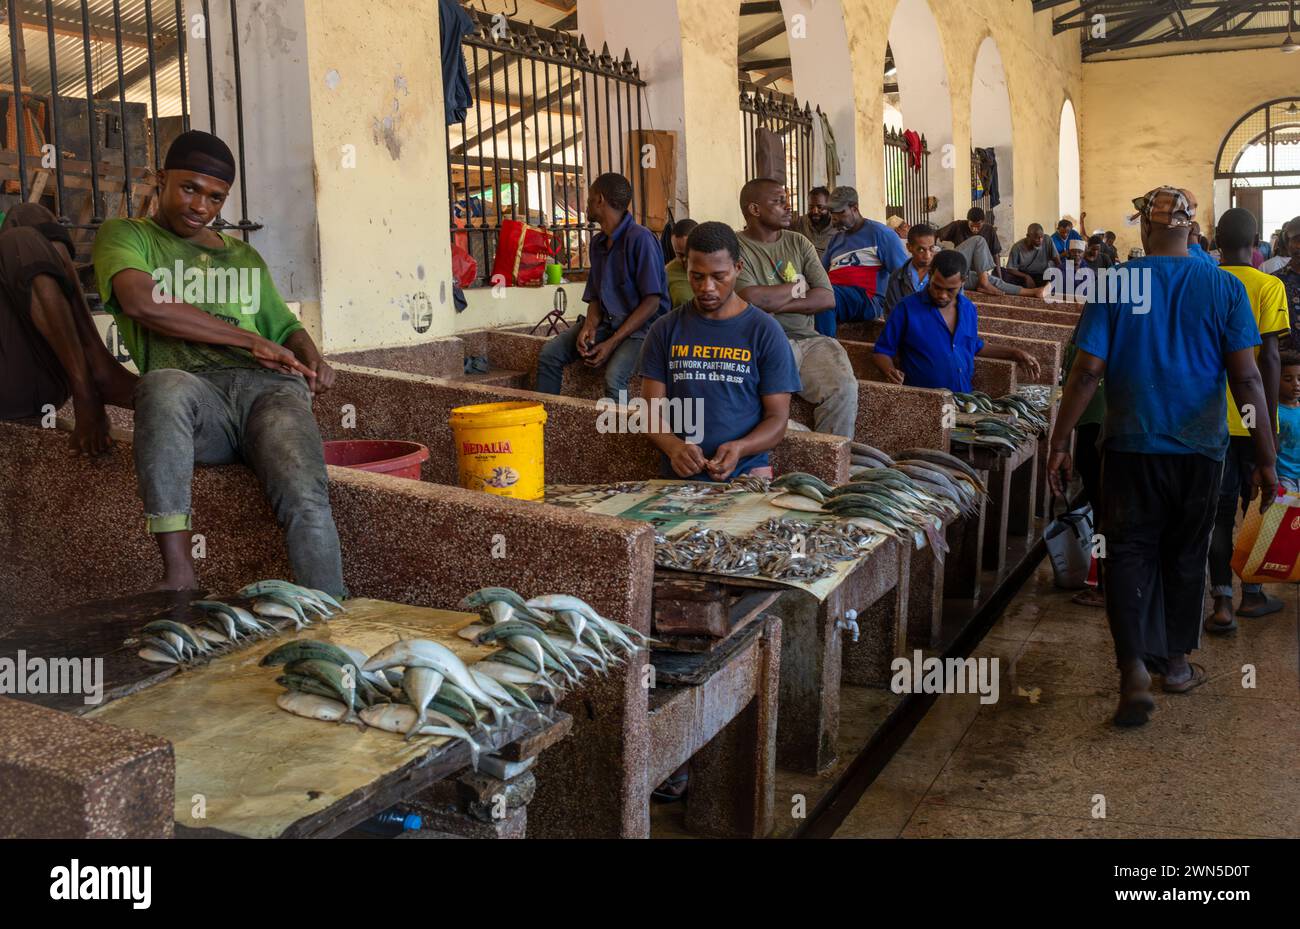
687, 460
895, 376
324, 375
1263, 481
281, 360
1060, 470
724, 461
586, 336
599, 354
1028, 362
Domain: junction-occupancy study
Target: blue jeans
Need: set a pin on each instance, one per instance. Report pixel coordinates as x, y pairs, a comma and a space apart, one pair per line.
852, 305
257, 417
562, 351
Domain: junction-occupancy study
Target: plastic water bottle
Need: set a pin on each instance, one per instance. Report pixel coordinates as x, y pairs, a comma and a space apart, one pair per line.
393, 822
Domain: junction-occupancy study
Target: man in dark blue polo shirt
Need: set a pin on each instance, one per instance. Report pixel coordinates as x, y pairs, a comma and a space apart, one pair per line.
728, 360
626, 291
932, 337
1165, 357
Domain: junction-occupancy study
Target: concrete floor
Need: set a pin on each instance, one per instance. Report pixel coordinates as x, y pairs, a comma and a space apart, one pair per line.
1218, 762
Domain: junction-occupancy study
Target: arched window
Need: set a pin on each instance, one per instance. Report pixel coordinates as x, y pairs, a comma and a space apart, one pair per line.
1259, 164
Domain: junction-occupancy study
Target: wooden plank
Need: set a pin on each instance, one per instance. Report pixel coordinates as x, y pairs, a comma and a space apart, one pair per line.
745, 606
674, 669
690, 607
535, 743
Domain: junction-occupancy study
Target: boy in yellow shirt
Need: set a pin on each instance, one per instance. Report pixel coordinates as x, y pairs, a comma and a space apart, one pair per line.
1236, 237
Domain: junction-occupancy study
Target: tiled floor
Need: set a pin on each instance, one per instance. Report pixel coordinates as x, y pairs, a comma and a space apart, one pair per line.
1044, 759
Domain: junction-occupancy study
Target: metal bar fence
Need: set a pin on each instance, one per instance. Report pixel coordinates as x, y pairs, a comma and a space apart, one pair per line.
97, 91
907, 178
793, 125
549, 116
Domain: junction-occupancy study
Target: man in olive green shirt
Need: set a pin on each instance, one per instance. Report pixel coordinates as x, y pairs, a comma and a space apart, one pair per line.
227, 372
781, 273
679, 283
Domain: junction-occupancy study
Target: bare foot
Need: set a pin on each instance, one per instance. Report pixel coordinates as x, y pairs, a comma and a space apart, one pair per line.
1135, 700
1222, 621
90, 432
116, 384
177, 580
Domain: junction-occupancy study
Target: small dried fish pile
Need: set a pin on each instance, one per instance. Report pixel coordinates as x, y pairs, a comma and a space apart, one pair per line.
709, 550
750, 484
808, 550
167, 642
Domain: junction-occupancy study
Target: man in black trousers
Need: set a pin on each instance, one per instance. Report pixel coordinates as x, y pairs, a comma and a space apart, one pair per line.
1164, 352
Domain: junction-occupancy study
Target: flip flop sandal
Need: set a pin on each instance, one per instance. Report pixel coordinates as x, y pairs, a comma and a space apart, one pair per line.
1270, 605
673, 789
1198, 678
1214, 628
1085, 598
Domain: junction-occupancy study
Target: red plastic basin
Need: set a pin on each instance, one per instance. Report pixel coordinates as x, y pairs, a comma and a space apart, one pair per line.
399, 459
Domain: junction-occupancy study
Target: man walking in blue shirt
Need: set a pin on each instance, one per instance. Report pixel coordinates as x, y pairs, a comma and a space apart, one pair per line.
1164, 355
627, 290
932, 337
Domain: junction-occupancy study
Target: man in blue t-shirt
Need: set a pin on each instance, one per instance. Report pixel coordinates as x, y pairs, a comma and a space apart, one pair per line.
1065, 234
627, 290
1164, 351
932, 337
858, 260
724, 365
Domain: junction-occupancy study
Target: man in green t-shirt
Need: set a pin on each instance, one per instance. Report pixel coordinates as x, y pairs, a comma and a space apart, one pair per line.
227, 371
782, 275
679, 284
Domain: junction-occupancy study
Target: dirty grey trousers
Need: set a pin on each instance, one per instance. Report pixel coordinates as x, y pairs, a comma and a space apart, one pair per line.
256, 417
829, 384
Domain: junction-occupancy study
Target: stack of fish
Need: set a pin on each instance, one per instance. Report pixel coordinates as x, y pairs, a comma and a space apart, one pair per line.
888, 501
945, 476
779, 549
437, 695
553, 634
1011, 405
1038, 396
994, 433
169, 642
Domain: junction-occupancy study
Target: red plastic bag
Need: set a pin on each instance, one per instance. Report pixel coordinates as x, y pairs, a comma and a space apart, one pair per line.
522, 254
1268, 545
463, 266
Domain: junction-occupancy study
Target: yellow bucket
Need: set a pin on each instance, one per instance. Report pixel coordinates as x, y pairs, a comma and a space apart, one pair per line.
499, 446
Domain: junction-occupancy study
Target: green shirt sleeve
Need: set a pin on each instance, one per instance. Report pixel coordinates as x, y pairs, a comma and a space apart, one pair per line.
274, 321
810, 266
748, 276
679, 285
119, 246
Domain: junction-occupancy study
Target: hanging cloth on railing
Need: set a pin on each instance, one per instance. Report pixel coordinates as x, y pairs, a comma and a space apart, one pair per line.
831, 150
914, 149
769, 155
989, 159
976, 180
454, 24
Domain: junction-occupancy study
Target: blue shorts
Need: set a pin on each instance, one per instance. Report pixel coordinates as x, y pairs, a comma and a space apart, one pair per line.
852, 305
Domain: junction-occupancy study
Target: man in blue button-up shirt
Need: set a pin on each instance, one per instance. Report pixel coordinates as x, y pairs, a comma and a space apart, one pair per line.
932, 337
627, 290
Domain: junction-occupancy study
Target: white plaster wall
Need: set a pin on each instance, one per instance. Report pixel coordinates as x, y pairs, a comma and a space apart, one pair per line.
1070, 168
823, 76
277, 129
991, 126
925, 95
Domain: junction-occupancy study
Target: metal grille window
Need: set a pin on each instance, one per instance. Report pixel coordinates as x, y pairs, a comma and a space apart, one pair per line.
102, 92
1263, 149
765, 118
549, 116
907, 178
